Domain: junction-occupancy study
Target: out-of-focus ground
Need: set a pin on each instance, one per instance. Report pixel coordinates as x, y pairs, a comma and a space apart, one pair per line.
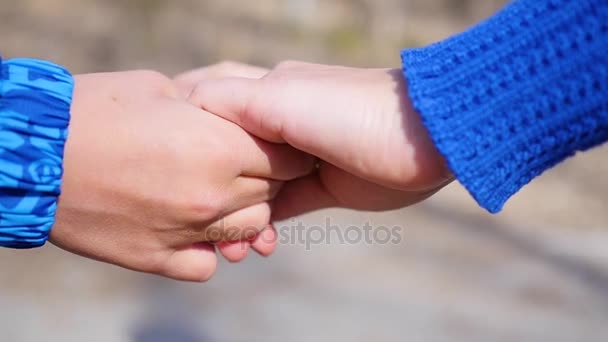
536, 272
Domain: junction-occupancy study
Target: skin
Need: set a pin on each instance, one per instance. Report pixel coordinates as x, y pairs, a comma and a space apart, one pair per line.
150, 180
374, 152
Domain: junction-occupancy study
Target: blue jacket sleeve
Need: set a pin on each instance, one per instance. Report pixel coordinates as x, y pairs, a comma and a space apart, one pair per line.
35, 98
516, 94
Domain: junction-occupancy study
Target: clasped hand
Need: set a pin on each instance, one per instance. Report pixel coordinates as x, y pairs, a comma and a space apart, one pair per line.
158, 172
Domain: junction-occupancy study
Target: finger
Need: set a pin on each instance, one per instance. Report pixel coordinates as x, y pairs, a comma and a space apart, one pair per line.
263, 159
232, 99
311, 193
360, 194
241, 225
234, 251
187, 81
247, 191
266, 242
301, 196
197, 263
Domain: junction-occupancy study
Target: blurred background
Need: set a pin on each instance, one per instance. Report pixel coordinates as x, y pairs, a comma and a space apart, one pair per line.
536, 272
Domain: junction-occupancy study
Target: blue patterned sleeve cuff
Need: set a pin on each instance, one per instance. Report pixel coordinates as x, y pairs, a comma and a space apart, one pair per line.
35, 99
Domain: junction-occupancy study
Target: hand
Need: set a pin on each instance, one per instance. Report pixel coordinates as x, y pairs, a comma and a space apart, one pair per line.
149, 178
375, 152
186, 82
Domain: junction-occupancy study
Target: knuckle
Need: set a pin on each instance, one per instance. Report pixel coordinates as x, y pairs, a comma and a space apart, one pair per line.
152, 76
199, 208
227, 65
289, 64
206, 209
157, 81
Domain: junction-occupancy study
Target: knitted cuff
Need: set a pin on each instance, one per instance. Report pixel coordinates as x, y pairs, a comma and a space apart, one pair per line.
515, 95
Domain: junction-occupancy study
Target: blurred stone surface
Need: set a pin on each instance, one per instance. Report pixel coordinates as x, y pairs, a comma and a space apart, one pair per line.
536, 272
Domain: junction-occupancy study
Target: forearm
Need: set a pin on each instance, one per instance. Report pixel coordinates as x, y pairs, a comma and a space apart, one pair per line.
516, 94
35, 99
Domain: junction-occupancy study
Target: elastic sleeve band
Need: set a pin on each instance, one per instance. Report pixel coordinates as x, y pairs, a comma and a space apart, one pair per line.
35, 99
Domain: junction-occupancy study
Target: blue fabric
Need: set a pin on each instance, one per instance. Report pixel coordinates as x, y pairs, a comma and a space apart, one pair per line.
35, 98
516, 94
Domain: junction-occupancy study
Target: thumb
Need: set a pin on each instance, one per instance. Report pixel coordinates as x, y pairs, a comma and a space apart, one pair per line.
243, 101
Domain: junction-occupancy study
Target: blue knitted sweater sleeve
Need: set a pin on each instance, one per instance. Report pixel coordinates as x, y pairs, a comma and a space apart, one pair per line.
35, 98
516, 94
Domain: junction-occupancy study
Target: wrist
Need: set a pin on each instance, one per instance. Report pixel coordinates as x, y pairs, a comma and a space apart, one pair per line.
426, 166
